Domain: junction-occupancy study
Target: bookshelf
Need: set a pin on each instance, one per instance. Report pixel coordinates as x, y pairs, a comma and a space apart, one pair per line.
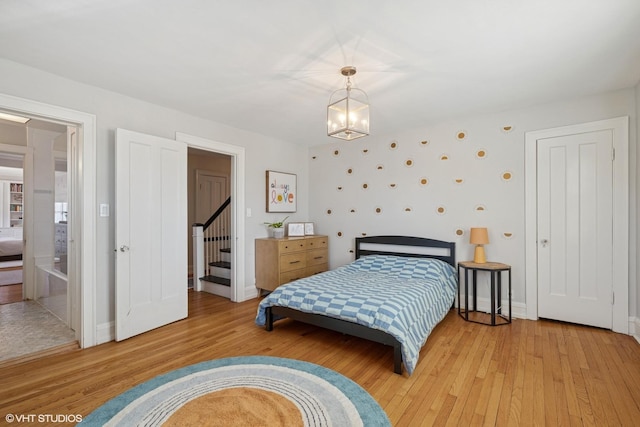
16, 197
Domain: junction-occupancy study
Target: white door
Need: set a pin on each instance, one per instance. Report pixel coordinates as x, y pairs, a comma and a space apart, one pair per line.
151, 242
73, 291
211, 192
575, 223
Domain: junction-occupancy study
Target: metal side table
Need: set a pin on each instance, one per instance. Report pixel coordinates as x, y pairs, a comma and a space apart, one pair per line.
495, 269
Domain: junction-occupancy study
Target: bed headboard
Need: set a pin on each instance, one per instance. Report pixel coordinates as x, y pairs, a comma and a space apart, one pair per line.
410, 246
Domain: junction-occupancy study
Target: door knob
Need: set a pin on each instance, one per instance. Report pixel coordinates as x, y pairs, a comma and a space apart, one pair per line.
124, 248
544, 242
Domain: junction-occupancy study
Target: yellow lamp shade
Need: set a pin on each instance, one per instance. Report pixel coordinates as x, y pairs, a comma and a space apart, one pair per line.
479, 237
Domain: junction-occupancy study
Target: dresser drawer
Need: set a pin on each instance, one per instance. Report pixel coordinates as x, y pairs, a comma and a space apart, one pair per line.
317, 242
317, 256
315, 269
293, 261
292, 245
290, 276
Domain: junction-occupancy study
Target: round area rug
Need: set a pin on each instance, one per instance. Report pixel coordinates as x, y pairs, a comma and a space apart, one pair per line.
247, 391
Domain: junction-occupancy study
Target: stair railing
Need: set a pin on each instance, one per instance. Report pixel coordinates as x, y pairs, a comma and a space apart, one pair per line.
208, 240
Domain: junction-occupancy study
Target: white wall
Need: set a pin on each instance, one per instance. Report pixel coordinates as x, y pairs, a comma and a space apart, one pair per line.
483, 198
117, 111
482, 186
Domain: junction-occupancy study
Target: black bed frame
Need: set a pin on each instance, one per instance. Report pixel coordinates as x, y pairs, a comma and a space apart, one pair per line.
367, 246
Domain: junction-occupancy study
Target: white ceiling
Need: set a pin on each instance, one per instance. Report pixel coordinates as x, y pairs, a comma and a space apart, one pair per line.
270, 66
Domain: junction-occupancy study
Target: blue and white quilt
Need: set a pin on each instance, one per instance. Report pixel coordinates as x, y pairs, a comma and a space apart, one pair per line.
402, 296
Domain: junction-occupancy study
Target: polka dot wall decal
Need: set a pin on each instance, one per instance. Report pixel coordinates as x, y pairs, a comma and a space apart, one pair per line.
507, 176
363, 234
461, 134
506, 129
481, 153
459, 232
339, 188
507, 235
378, 210
351, 251
458, 180
352, 210
480, 208
424, 181
336, 153
408, 163
349, 171
379, 167
314, 157
444, 157
339, 234
393, 145
393, 185
441, 210
424, 143
329, 211
408, 209
365, 186
365, 151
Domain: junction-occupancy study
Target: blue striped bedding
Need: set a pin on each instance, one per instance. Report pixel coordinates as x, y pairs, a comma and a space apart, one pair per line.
405, 297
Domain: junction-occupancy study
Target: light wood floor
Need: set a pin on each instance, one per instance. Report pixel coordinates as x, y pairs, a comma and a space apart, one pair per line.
527, 373
10, 293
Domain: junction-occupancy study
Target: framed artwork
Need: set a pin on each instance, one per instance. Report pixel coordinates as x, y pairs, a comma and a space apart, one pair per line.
295, 229
309, 229
282, 193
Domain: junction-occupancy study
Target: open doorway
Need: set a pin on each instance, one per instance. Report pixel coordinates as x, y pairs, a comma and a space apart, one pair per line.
236, 157
82, 232
11, 217
209, 184
37, 310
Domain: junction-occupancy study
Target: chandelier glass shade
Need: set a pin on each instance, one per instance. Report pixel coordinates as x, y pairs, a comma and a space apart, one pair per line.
348, 110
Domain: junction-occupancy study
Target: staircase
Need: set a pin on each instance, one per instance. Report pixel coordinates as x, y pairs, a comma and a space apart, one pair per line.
212, 253
218, 281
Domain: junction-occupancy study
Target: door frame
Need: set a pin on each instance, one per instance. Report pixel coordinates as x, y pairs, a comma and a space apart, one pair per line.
84, 209
237, 188
620, 130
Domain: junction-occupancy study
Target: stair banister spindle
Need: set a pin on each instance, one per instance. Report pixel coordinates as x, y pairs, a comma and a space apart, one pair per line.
214, 240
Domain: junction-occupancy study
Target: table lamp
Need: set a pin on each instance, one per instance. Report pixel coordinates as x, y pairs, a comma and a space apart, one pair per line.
479, 237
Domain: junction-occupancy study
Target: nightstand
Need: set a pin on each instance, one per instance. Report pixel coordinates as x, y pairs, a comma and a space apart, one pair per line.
495, 269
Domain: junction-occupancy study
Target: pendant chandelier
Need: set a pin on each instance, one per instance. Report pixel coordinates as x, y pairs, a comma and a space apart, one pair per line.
348, 116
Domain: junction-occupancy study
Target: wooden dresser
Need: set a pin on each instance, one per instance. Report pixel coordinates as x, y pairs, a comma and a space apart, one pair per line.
280, 261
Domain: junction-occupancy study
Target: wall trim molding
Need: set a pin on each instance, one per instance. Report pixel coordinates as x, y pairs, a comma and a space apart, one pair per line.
105, 332
634, 327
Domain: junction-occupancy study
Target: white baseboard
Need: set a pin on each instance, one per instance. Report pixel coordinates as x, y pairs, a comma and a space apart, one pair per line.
518, 309
634, 327
105, 332
251, 293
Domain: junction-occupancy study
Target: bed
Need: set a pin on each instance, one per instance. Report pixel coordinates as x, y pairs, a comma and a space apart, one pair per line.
10, 249
394, 293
